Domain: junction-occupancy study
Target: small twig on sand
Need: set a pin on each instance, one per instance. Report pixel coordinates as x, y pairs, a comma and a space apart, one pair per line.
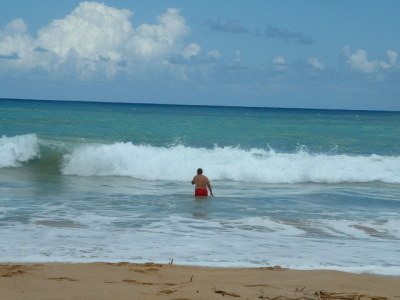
223, 293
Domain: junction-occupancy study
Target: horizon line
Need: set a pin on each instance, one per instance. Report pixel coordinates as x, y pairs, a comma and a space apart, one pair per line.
204, 105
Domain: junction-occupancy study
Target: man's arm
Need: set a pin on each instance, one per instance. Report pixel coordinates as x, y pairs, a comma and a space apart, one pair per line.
210, 188
194, 181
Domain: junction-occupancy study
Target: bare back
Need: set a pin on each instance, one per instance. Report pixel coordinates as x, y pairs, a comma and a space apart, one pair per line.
201, 181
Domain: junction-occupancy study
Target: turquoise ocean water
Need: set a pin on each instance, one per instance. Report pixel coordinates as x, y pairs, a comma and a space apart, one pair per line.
304, 189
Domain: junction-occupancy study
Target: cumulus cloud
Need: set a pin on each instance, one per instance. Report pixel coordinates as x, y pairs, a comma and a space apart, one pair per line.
359, 62
16, 26
91, 30
15, 47
96, 40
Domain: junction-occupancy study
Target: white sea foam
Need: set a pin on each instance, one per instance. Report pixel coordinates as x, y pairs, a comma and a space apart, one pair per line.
101, 219
178, 162
196, 242
228, 163
18, 149
359, 229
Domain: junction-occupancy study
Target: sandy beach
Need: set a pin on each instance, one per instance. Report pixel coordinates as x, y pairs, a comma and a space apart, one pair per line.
155, 281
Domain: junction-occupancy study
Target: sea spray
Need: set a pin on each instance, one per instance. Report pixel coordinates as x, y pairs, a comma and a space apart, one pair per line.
16, 150
178, 162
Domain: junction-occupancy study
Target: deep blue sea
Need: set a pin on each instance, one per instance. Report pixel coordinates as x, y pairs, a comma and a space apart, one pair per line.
304, 189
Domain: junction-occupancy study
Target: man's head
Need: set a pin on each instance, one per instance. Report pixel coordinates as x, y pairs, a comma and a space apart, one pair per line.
199, 171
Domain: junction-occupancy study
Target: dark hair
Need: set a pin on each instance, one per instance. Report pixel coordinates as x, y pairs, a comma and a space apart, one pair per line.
199, 171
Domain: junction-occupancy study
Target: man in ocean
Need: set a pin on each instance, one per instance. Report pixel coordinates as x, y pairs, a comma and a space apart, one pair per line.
202, 183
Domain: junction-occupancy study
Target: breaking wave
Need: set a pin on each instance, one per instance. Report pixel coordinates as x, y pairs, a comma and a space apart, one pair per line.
14, 151
179, 162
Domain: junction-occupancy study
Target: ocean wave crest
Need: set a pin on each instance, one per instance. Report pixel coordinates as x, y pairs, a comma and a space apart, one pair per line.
179, 163
16, 150
228, 163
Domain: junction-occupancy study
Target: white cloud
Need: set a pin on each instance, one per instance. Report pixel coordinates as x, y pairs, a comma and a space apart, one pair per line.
238, 57
278, 60
315, 63
91, 30
214, 54
358, 61
191, 50
161, 39
16, 26
95, 40
392, 55
279, 63
16, 46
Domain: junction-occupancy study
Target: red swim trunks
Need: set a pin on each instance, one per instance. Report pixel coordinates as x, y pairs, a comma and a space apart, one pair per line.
201, 192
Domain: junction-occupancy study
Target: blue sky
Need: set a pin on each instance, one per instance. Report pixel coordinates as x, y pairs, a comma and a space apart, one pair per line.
336, 54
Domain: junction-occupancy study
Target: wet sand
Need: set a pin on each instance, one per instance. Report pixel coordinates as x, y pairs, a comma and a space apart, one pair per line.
155, 281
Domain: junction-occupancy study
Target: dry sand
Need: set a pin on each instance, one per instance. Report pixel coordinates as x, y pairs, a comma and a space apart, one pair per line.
155, 281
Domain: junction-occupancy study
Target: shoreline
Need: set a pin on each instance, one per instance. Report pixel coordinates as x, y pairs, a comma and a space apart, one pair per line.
102, 280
